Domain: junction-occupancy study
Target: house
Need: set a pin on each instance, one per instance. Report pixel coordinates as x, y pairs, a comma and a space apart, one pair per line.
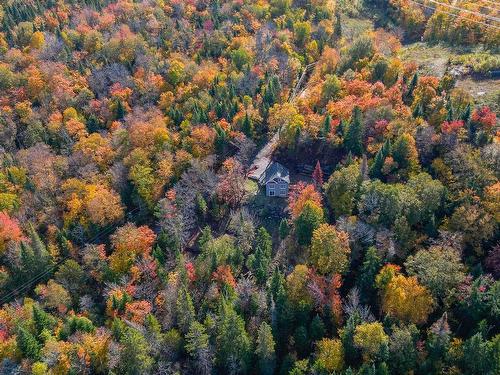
276, 179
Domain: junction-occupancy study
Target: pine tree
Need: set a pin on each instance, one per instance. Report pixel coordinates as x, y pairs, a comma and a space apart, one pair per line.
265, 350
466, 115
42, 320
327, 126
284, 229
408, 96
27, 344
247, 126
185, 309
259, 262
369, 270
378, 163
197, 346
135, 354
353, 140
338, 25
232, 341
120, 110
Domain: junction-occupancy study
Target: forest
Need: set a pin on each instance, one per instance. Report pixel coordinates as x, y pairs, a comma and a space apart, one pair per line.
132, 240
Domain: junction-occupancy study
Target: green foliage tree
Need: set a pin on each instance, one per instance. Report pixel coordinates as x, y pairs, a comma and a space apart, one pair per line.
309, 219
135, 354
265, 350
232, 341
28, 344
260, 261
353, 140
185, 309
439, 269
342, 188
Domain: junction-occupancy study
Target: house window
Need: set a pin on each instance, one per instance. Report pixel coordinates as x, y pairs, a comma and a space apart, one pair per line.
271, 190
283, 189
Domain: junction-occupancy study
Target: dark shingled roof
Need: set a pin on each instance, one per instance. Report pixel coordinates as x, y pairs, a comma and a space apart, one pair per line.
274, 170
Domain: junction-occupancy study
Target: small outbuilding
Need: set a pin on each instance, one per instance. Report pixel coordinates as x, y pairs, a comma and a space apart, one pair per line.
276, 179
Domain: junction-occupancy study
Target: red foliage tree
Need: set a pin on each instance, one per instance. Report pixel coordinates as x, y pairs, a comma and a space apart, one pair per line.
318, 176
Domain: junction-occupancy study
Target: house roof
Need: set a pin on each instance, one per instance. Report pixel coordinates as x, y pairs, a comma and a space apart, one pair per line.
274, 170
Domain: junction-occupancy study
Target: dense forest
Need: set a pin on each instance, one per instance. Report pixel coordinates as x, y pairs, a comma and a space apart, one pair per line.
133, 242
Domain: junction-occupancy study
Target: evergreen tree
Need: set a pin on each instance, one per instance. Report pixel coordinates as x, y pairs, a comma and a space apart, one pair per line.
265, 350
232, 341
317, 330
197, 346
27, 344
309, 219
378, 163
408, 96
327, 126
135, 356
185, 309
247, 126
353, 140
120, 110
259, 262
284, 229
42, 320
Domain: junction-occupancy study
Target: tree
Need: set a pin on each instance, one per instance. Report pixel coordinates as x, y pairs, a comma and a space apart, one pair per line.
378, 163
130, 242
231, 187
197, 346
265, 350
330, 355
247, 126
284, 229
134, 357
330, 250
370, 338
317, 176
403, 297
10, 231
405, 154
369, 270
309, 219
232, 341
27, 344
437, 268
185, 309
342, 188
296, 283
403, 349
353, 140
299, 194
260, 261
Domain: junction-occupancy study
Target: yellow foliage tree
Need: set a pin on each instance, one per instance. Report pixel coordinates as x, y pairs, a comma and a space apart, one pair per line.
370, 337
330, 250
403, 297
330, 355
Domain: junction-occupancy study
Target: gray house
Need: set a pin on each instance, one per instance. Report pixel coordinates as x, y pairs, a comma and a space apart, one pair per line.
276, 179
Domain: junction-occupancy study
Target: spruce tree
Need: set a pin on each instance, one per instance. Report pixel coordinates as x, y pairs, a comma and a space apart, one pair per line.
378, 163
28, 344
369, 270
353, 140
247, 126
265, 350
